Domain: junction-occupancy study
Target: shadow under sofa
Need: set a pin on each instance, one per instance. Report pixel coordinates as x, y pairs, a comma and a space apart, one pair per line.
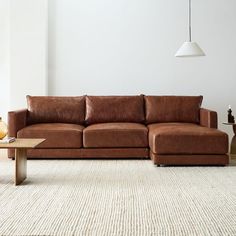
172, 130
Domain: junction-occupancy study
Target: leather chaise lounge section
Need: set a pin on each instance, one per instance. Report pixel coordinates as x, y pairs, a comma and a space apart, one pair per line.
171, 130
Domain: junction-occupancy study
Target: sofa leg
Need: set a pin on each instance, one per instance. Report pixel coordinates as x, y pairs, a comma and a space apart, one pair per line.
160, 165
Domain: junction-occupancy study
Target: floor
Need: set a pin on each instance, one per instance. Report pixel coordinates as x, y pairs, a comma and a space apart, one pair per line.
117, 197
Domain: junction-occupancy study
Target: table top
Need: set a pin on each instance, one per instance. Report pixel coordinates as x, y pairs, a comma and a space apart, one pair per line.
23, 143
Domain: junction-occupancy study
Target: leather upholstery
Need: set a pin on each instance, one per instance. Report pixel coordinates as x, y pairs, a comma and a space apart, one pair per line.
102, 109
208, 118
49, 109
188, 159
116, 129
172, 109
57, 135
113, 135
89, 153
16, 121
185, 138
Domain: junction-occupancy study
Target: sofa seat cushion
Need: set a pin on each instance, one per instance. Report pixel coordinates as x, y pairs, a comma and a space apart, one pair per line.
186, 138
111, 135
57, 135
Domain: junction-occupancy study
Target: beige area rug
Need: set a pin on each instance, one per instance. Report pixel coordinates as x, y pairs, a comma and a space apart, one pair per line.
117, 197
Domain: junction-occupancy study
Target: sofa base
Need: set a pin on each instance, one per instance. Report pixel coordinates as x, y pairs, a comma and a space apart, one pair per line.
87, 153
127, 153
190, 159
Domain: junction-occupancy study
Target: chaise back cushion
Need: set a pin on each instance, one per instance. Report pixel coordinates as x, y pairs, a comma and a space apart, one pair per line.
103, 109
50, 109
173, 109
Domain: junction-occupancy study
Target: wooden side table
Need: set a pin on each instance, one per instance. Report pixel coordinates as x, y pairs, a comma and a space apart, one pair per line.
21, 146
233, 141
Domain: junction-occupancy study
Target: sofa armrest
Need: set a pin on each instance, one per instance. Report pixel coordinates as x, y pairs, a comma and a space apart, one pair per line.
16, 121
208, 118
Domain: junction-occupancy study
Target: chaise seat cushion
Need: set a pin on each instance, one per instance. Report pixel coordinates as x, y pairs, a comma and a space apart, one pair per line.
113, 135
57, 135
186, 138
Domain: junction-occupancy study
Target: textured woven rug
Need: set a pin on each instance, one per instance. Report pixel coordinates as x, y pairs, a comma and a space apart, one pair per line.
117, 197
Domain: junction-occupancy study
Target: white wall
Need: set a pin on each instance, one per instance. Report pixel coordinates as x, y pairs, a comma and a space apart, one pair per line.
128, 47
23, 52
28, 50
117, 47
4, 58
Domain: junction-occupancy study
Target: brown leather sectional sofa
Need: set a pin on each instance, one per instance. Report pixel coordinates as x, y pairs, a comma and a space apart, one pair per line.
172, 130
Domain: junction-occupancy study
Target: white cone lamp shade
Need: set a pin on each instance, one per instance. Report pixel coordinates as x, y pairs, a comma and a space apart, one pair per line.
189, 48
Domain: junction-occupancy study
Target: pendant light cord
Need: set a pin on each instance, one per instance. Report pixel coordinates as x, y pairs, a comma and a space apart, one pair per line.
189, 21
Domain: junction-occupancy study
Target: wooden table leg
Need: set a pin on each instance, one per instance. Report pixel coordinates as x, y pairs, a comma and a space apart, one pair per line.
20, 165
233, 145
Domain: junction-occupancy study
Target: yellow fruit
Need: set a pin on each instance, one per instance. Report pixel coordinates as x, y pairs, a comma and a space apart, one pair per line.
3, 129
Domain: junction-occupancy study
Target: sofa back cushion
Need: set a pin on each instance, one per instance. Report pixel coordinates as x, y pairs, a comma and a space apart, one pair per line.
102, 109
49, 109
173, 109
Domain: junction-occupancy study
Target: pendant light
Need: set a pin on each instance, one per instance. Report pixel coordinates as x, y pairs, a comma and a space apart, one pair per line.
189, 48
